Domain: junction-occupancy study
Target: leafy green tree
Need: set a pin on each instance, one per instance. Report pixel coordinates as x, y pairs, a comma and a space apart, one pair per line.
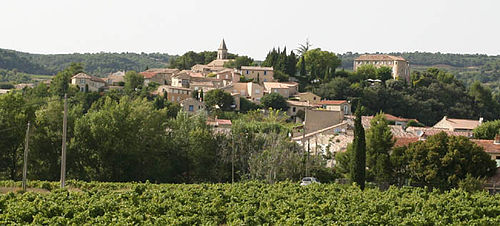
379, 142
358, 158
442, 161
14, 116
133, 80
367, 71
384, 73
337, 89
487, 130
274, 101
280, 76
239, 61
318, 63
486, 106
60, 83
246, 105
219, 98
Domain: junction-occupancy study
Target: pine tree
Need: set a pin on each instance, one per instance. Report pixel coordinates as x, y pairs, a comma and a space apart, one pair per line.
358, 159
201, 95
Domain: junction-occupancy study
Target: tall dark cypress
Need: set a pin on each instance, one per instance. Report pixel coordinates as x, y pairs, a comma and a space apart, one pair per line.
358, 160
303, 72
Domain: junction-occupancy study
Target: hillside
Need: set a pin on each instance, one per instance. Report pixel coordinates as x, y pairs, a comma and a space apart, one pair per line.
466, 67
99, 64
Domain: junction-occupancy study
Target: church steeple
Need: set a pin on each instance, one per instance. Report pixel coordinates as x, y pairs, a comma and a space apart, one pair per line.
222, 52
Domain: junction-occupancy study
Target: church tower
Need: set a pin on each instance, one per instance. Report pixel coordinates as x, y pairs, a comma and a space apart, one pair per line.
222, 52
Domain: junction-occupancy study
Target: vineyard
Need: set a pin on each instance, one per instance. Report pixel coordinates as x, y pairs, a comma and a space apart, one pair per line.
250, 203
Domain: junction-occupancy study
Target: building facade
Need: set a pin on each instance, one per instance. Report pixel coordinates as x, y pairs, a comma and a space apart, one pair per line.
400, 66
87, 82
258, 74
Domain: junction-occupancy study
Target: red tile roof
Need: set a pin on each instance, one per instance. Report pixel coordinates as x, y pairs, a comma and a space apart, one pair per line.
148, 74
488, 145
404, 141
379, 57
332, 102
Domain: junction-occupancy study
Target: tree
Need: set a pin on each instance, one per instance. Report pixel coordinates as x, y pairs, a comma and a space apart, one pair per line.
274, 101
303, 48
246, 105
14, 116
280, 76
195, 95
320, 63
133, 80
442, 161
337, 89
487, 130
379, 142
219, 98
358, 159
60, 83
367, 71
384, 73
239, 61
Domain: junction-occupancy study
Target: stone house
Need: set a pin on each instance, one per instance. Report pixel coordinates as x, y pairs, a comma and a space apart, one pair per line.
307, 97
258, 74
162, 76
286, 89
458, 125
181, 79
249, 90
297, 106
174, 93
115, 79
400, 66
191, 105
336, 105
87, 82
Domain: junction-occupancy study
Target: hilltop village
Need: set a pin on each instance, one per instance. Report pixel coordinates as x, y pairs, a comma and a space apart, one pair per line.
238, 97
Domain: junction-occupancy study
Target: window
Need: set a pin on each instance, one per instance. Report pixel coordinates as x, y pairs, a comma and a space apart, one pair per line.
247, 72
191, 108
314, 98
257, 91
265, 72
294, 109
498, 161
82, 81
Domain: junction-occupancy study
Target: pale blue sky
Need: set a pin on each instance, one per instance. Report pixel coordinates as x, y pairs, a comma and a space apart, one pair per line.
250, 27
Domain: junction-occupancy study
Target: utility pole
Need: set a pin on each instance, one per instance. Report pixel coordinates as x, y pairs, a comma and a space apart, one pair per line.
25, 166
63, 151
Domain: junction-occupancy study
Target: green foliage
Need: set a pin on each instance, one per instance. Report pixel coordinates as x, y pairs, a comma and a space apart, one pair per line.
487, 130
367, 71
442, 161
239, 61
320, 64
471, 184
280, 76
274, 101
218, 97
133, 80
384, 73
246, 105
358, 159
250, 203
60, 83
379, 142
414, 124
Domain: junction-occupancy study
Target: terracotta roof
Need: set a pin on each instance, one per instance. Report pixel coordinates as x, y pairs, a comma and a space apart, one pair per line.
163, 70
430, 131
90, 77
256, 68
277, 85
488, 145
219, 122
301, 103
332, 102
148, 74
462, 123
404, 141
379, 57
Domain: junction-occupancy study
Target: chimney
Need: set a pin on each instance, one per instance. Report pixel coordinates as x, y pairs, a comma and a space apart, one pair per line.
481, 119
445, 117
497, 139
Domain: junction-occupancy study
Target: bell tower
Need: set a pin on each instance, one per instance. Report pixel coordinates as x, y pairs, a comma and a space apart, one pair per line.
222, 52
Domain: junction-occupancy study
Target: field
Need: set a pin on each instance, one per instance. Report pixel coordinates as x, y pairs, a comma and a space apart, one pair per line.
250, 203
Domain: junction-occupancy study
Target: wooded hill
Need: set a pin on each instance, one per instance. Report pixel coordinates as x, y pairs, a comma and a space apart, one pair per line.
99, 64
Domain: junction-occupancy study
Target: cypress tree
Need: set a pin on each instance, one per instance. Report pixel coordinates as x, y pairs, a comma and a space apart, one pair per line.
303, 72
358, 160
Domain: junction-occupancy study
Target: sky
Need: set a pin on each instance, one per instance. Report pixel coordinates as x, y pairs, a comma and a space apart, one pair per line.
250, 27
